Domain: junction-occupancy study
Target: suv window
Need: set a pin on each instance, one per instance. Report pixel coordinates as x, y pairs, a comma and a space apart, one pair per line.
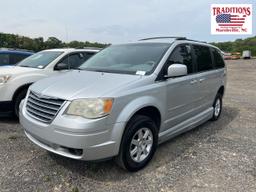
87, 55
40, 60
4, 59
182, 55
203, 58
16, 58
76, 59
218, 59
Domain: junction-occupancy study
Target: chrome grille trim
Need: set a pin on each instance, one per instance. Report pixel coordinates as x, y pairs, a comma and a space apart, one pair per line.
43, 108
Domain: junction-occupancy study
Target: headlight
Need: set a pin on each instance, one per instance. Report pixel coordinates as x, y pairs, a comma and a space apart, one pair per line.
90, 108
4, 78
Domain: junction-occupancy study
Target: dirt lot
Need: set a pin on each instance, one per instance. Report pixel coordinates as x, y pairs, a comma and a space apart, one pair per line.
217, 156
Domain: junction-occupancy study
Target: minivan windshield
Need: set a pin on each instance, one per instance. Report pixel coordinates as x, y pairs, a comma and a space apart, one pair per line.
137, 58
40, 60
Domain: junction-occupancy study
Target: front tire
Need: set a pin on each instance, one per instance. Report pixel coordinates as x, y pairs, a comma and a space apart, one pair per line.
217, 107
17, 101
139, 143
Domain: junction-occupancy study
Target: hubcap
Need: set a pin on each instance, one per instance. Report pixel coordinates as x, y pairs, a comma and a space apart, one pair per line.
141, 144
217, 108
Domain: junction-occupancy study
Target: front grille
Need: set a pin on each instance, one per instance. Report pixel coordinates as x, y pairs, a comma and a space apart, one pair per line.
43, 108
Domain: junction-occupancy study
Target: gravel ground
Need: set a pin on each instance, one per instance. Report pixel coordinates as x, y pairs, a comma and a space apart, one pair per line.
216, 156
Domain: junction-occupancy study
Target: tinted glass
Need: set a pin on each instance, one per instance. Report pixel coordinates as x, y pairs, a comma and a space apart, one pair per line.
4, 59
141, 58
16, 58
87, 55
40, 60
218, 59
75, 60
203, 58
182, 55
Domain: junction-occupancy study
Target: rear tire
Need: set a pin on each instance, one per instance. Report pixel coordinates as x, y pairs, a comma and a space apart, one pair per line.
17, 101
139, 143
217, 107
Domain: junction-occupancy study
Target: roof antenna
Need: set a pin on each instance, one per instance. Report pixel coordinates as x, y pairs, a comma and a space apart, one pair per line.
67, 37
66, 30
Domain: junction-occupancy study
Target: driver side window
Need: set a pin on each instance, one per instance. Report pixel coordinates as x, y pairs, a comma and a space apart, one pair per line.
182, 55
74, 60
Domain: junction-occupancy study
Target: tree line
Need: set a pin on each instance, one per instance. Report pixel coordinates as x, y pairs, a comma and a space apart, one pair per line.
38, 44
238, 45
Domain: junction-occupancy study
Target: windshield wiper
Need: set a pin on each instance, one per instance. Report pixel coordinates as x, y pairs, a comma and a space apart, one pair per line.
95, 70
23, 65
78, 68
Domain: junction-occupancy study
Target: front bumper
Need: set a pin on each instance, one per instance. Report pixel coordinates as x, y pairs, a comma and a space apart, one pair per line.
6, 91
6, 104
73, 137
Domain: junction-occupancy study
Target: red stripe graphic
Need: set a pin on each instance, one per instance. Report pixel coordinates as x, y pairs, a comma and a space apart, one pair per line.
237, 22
237, 18
227, 25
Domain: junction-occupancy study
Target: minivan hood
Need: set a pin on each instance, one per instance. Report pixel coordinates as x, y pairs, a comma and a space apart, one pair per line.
14, 70
82, 84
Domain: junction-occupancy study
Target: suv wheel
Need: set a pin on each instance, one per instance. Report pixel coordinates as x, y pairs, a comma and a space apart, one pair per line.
217, 107
17, 101
139, 143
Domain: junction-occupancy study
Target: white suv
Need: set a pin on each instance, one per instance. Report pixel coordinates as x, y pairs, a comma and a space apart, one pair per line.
15, 80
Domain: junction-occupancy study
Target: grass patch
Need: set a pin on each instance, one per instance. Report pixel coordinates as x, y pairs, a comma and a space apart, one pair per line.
13, 137
47, 179
75, 189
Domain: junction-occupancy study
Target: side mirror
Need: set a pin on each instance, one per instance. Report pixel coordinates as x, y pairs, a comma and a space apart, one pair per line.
61, 66
177, 70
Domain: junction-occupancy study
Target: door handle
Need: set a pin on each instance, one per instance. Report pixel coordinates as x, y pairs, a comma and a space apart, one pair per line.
201, 80
193, 81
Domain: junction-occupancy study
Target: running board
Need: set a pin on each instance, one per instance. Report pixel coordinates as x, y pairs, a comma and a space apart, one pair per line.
186, 125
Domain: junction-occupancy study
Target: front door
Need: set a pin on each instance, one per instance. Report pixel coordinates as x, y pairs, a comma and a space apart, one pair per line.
183, 93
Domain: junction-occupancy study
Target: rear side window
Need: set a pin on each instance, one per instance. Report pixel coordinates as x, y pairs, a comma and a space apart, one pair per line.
218, 60
88, 55
182, 55
4, 59
203, 58
75, 60
16, 58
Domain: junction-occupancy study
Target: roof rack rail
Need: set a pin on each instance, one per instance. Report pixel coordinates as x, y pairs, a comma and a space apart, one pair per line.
15, 49
96, 48
172, 37
164, 37
196, 41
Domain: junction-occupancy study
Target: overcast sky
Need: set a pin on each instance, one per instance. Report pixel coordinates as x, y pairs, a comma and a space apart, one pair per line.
112, 21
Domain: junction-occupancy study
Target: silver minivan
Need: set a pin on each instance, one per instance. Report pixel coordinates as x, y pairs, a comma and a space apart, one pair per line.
126, 100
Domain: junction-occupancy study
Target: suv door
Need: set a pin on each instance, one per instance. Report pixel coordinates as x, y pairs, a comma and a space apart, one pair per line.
182, 92
206, 76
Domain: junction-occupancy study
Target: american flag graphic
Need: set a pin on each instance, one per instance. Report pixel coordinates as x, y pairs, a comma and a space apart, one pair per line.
229, 20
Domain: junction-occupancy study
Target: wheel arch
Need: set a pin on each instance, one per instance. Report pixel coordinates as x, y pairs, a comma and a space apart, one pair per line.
147, 105
150, 111
21, 88
221, 90
144, 106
